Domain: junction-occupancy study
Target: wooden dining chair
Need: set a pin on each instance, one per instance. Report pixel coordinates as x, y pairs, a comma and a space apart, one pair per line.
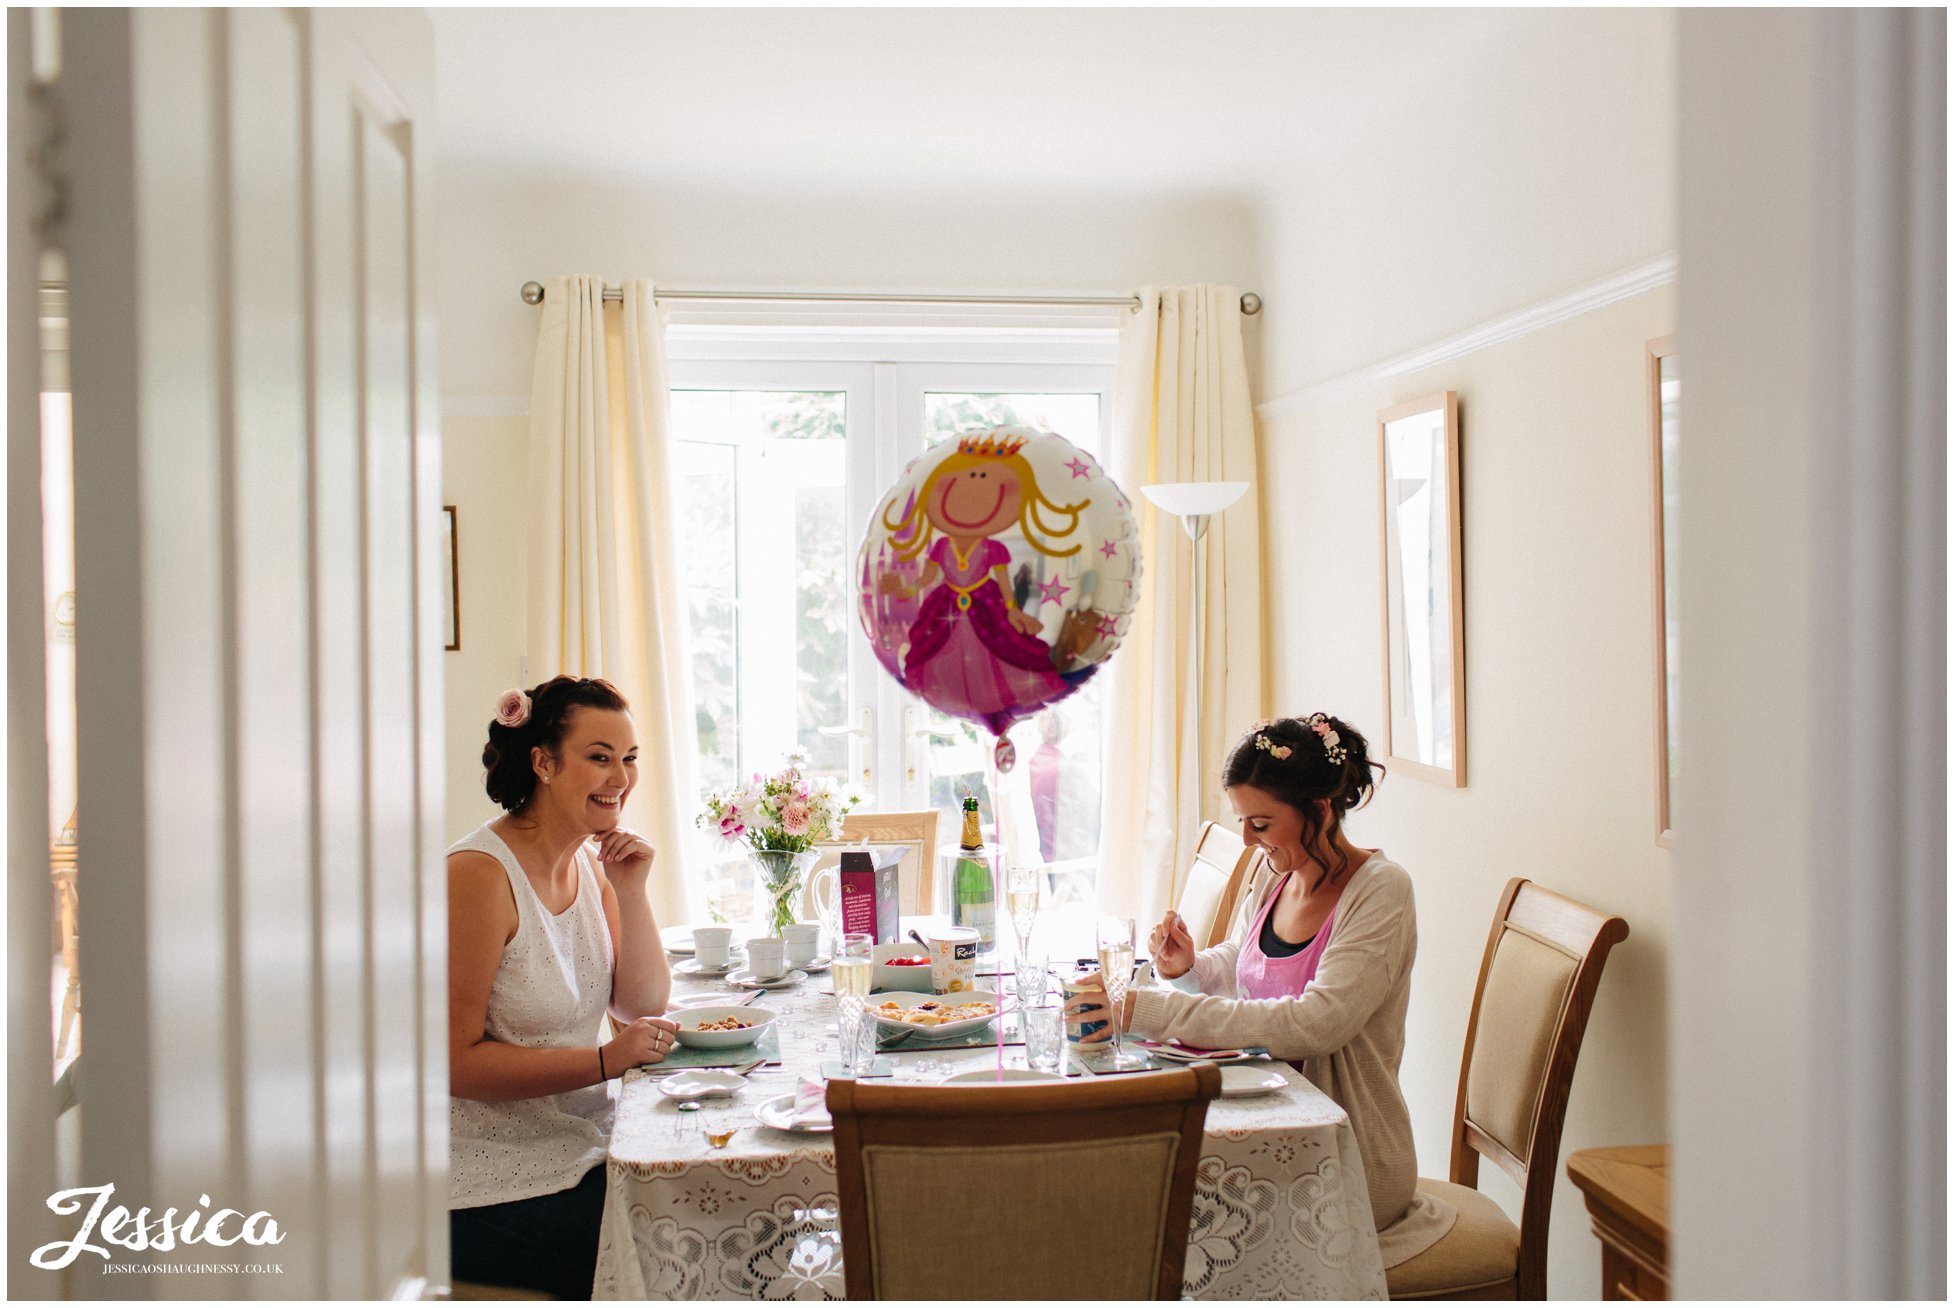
1251, 884
1213, 882
1029, 1190
1536, 986
916, 874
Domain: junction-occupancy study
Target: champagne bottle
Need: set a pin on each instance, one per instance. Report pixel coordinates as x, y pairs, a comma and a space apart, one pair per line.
974, 888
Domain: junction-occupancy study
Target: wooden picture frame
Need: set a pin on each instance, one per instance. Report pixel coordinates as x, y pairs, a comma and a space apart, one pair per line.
1662, 370
451, 577
1422, 588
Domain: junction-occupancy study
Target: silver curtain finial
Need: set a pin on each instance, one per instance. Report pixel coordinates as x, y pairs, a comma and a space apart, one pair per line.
532, 292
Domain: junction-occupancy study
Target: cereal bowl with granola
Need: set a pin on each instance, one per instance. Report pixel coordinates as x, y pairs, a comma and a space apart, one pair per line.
721, 1026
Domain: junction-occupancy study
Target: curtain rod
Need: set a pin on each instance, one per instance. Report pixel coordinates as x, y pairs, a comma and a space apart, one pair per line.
532, 293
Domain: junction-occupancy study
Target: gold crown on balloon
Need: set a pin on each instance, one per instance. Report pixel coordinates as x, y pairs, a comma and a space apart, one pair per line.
990, 446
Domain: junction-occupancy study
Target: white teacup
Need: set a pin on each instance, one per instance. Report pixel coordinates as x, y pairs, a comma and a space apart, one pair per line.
766, 957
712, 946
803, 943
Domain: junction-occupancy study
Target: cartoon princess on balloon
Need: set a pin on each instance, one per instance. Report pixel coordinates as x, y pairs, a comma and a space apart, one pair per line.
971, 650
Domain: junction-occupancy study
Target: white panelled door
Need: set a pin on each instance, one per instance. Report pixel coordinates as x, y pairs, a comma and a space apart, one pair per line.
257, 507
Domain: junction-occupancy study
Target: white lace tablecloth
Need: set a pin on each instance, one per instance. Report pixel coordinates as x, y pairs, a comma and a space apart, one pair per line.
1280, 1206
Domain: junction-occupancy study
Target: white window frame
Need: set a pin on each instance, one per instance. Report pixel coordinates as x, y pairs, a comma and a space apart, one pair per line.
886, 370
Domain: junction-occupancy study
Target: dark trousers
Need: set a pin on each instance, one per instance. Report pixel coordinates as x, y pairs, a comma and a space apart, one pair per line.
548, 1243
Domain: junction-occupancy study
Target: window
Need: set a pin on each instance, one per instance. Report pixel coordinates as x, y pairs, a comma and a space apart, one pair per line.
782, 460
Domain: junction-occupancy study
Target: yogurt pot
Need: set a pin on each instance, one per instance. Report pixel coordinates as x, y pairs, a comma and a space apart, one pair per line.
1073, 989
953, 959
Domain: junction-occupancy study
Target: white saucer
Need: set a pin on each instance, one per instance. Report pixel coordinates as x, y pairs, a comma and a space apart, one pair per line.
1246, 1082
692, 967
779, 1114
747, 981
818, 966
701, 1083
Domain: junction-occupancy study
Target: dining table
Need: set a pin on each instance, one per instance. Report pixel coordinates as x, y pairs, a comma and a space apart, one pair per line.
708, 1203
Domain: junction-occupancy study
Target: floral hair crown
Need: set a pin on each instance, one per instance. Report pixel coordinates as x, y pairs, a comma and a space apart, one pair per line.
1263, 743
990, 446
1333, 745
512, 710
1332, 742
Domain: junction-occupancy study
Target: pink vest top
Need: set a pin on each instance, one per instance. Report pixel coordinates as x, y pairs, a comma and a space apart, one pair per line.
1257, 976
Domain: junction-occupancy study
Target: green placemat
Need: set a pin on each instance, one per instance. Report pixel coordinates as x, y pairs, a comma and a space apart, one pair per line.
767, 1047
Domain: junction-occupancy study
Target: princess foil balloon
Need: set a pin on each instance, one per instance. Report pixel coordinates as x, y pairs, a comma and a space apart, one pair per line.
998, 573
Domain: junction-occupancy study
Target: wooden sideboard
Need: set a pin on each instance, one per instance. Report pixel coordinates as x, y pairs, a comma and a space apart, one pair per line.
1627, 1190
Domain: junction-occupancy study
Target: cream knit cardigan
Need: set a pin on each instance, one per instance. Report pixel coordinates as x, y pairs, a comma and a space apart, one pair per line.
1345, 1032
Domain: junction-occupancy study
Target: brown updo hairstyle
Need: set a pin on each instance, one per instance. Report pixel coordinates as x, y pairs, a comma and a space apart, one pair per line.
511, 780
1306, 776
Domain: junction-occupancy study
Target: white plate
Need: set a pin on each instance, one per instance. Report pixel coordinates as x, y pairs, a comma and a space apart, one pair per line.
701, 1083
943, 1031
992, 1075
691, 1037
779, 1114
1246, 1082
692, 967
746, 980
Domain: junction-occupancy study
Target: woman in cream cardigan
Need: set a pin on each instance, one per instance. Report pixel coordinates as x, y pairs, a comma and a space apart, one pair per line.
1321, 974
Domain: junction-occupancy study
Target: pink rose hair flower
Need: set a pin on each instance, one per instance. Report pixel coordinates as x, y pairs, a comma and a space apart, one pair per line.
512, 710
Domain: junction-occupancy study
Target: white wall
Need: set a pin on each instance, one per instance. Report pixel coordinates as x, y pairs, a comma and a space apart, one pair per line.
1445, 211
1540, 157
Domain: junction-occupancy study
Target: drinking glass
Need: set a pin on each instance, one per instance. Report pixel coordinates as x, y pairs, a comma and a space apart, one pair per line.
1044, 1036
1116, 939
1033, 979
1021, 886
854, 972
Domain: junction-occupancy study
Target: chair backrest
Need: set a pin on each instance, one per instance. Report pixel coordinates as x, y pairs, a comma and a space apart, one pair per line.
916, 874
1252, 883
1025, 1190
1536, 986
1219, 856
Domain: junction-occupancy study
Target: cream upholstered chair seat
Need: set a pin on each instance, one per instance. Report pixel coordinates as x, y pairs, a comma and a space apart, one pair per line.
1479, 1253
1537, 981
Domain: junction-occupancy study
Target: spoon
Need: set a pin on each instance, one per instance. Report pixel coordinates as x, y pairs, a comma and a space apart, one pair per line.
918, 939
688, 1106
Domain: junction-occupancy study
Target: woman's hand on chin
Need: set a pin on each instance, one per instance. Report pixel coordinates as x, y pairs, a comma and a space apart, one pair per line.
625, 855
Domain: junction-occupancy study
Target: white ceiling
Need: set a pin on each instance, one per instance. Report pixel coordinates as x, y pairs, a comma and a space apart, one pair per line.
1156, 99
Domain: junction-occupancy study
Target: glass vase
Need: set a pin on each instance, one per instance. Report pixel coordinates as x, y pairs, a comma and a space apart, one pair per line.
780, 875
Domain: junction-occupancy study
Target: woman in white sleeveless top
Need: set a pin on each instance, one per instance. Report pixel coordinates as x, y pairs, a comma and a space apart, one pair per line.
541, 945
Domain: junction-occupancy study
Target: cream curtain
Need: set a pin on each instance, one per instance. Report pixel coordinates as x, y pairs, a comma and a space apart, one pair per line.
604, 596
1181, 413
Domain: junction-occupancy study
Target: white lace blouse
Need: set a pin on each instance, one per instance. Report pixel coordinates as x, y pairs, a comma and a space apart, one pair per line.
550, 991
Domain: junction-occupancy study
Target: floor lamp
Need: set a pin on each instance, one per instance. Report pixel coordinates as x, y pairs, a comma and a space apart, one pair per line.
1194, 503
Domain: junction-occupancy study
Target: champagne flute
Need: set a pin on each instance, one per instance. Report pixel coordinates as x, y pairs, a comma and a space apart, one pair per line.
1116, 940
1021, 891
853, 972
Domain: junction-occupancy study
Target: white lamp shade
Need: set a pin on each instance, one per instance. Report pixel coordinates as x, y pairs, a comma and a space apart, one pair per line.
1187, 499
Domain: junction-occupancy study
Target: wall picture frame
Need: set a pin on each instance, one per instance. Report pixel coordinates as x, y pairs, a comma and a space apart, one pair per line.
1422, 588
451, 576
1662, 365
